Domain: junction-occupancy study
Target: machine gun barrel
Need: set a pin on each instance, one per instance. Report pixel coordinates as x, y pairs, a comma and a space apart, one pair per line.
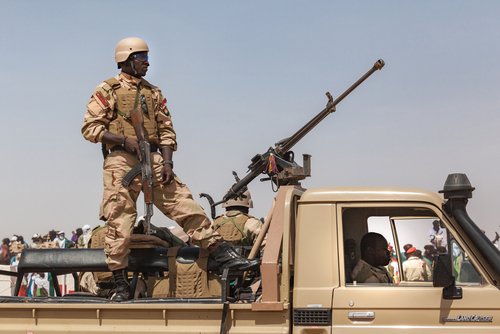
286, 144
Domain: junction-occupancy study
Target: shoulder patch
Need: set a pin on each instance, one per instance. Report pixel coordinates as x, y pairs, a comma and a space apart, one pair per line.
102, 99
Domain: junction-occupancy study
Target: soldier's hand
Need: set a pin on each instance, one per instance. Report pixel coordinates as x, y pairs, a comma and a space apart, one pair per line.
131, 145
167, 174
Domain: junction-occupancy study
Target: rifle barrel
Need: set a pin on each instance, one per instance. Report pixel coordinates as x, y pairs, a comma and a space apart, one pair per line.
297, 136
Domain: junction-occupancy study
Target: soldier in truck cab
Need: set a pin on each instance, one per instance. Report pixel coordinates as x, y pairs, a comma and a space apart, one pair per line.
375, 255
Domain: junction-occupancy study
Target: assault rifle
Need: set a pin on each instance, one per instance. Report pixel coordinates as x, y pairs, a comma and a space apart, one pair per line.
144, 167
278, 161
144, 154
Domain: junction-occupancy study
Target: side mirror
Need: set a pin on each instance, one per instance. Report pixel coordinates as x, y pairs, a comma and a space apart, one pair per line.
443, 277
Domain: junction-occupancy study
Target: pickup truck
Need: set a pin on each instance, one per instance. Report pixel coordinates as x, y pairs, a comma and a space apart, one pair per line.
312, 243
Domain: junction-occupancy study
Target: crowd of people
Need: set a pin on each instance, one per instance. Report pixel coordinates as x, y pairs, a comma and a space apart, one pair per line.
12, 247
417, 265
40, 284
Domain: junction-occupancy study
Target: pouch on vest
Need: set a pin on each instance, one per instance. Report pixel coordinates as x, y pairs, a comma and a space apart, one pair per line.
187, 276
125, 103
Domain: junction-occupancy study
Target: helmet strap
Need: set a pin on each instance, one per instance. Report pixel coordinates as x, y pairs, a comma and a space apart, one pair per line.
132, 66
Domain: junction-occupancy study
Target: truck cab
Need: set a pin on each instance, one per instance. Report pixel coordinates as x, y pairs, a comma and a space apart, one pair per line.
329, 227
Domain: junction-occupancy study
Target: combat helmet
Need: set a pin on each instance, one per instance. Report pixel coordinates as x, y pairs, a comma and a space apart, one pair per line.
245, 200
127, 46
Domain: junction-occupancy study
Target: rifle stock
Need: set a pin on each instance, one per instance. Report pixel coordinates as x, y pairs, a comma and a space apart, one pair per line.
267, 160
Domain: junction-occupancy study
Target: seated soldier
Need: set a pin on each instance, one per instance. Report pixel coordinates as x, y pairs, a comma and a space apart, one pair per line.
375, 256
236, 225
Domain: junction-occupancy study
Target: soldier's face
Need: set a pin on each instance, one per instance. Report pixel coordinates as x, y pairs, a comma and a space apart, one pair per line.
140, 63
382, 253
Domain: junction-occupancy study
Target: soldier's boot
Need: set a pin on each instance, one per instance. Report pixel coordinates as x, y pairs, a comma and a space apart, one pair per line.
122, 290
227, 257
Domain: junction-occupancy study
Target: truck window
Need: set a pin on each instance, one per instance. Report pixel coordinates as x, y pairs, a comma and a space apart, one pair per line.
422, 239
418, 244
414, 237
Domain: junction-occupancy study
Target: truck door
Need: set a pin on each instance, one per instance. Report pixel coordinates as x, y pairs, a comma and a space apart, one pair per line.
410, 303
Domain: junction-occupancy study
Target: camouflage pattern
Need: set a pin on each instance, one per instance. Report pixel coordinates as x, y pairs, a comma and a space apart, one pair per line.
245, 200
237, 227
118, 207
97, 240
363, 272
188, 280
88, 284
102, 114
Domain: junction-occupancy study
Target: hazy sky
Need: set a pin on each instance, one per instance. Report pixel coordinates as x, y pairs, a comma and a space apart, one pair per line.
239, 76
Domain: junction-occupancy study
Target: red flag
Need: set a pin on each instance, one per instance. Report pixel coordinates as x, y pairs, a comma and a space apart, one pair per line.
272, 168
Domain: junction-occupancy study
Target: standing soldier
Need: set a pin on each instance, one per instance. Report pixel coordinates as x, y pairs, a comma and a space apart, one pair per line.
107, 120
236, 225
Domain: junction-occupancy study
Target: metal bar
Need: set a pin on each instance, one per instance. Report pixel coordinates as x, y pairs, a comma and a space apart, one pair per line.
262, 234
270, 259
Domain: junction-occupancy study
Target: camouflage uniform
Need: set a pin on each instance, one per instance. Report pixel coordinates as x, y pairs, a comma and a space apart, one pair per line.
109, 110
364, 272
237, 227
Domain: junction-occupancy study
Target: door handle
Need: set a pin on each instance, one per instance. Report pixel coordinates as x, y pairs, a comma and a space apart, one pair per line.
366, 316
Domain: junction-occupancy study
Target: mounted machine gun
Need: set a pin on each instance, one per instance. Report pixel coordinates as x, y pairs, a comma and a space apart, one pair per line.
278, 161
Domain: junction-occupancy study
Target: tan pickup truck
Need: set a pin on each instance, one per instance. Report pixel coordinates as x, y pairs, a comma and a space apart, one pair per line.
313, 244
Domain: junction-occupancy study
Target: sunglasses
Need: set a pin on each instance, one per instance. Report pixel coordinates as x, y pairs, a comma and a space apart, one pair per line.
140, 56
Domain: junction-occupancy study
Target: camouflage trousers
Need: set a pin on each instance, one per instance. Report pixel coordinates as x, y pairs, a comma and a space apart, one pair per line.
118, 207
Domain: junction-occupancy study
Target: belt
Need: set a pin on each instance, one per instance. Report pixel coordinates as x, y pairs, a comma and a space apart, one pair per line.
153, 148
